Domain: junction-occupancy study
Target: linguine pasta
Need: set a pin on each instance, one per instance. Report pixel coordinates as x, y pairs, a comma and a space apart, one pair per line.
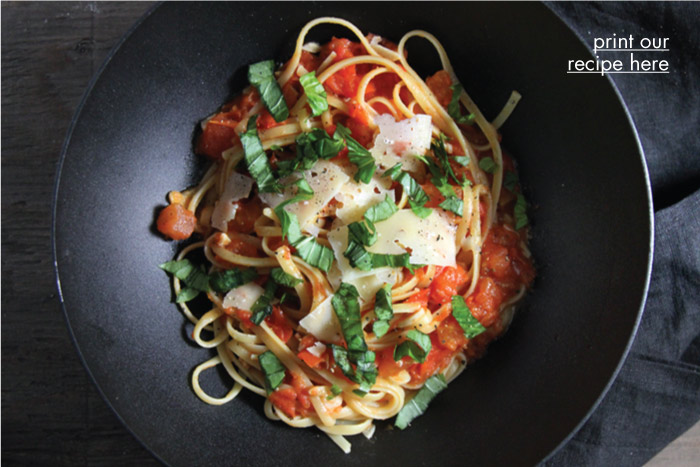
364, 235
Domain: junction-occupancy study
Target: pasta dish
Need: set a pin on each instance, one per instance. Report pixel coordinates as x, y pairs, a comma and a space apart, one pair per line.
358, 239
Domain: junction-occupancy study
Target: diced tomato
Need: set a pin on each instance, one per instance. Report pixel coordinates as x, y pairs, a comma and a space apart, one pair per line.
486, 300
276, 242
345, 81
266, 120
420, 297
451, 335
248, 212
292, 400
434, 194
503, 259
438, 359
216, 137
285, 399
301, 389
496, 262
386, 364
383, 85
362, 133
307, 341
447, 283
176, 222
241, 247
309, 61
440, 84
279, 324
244, 317
218, 133
358, 113
310, 359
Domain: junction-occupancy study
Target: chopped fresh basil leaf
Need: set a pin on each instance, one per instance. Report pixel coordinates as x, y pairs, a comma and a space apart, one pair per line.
303, 188
418, 210
392, 261
275, 147
453, 107
311, 146
365, 166
223, 281
262, 76
488, 165
335, 391
438, 147
417, 347
366, 371
412, 188
256, 159
520, 212
346, 305
462, 160
358, 155
510, 179
261, 314
307, 248
180, 269
289, 223
193, 276
393, 172
453, 204
380, 327
341, 358
284, 278
439, 179
273, 370
315, 93
470, 325
186, 294
382, 303
361, 232
418, 405
381, 211
417, 197
262, 308
383, 310
315, 254
357, 256
363, 260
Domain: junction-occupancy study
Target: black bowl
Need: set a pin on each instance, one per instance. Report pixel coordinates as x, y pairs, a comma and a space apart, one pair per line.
580, 161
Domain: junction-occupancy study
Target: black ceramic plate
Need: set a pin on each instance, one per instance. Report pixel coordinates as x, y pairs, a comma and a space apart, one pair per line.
131, 142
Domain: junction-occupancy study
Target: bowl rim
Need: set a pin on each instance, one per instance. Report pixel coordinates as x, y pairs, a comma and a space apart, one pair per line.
54, 222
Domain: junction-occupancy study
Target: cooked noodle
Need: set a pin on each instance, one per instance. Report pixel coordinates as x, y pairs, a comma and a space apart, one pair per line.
491, 265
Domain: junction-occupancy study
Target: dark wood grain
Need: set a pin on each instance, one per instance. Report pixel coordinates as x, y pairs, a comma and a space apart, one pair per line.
51, 412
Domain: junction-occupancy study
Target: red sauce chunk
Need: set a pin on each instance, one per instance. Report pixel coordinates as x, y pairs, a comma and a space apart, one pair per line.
176, 222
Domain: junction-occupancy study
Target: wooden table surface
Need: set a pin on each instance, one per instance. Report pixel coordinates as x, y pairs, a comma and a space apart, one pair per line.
51, 412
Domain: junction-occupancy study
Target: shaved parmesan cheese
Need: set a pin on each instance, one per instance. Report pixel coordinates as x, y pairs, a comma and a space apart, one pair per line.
325, 178
243, 297
366, 282
317, 349
322, 322
430, 240
312, 47
237, 187
399, 141
357, 197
